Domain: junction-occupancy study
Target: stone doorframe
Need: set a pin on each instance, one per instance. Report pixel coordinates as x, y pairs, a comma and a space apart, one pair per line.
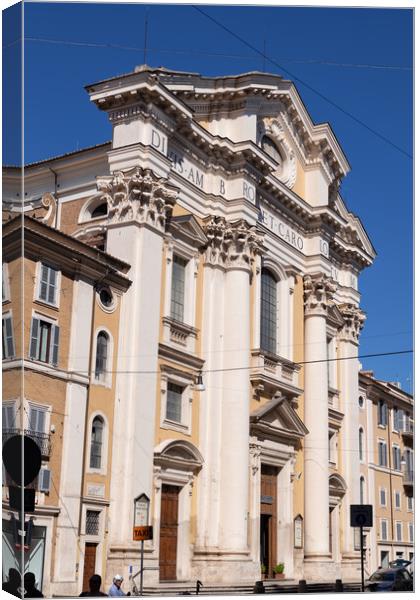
282, 456
338, 488
176, 462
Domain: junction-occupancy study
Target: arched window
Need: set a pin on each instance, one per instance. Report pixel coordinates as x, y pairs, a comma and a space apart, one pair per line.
362, 490
96, 443
271, 148
268, 312
100, 211
101, 355
360, 443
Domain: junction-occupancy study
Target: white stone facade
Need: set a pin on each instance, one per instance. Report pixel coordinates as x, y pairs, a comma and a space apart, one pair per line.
186, 175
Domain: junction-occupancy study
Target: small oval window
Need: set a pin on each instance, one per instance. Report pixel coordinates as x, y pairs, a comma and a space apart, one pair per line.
361, 401
105, 297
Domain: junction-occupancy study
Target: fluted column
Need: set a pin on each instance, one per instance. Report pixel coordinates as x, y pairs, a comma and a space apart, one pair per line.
232, 247
139, 203
348, 347
318, 291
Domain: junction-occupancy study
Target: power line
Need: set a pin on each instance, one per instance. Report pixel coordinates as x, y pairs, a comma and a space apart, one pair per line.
309, 61
250, 367
307, 85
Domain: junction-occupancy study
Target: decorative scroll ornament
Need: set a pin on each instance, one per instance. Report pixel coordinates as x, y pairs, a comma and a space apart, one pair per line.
255, 457
137, 195
274, 130
233, 244
354, 320
318, 291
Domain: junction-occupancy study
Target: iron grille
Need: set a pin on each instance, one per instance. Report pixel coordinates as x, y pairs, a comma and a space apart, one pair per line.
92, 522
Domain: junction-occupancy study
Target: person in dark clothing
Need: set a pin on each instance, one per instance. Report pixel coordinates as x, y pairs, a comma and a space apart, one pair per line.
13, 584
29, 584
94, 585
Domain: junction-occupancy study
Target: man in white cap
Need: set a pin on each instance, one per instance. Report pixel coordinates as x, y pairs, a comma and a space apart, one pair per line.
115, 589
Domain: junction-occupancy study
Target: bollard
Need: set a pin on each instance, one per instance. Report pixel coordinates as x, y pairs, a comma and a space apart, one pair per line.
302, 586
339, 585
258, 588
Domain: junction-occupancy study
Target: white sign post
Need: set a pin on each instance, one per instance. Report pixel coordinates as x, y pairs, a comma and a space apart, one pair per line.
141, 519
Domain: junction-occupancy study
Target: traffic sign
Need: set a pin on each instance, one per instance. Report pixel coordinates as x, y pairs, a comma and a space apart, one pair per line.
361, 515
142, 533
12, 459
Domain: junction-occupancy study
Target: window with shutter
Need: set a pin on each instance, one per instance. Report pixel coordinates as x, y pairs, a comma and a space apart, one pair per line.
397, 500
48, 284
8, 416
37, 419
5, 283
7, 339
44, 344
44, 480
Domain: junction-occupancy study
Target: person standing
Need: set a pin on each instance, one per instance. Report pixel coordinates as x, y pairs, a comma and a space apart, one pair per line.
29, 584
13, 584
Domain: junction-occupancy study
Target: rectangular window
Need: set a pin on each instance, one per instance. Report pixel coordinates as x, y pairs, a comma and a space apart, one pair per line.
8, 416
174, 402
397, 500
396, 457
44, 341
382, 454
382, 413
37, 419
382, 497
398, 419
398, 531
92, 522
44, 480
384, 529
7, 339
178, 288
332, 447
5, 283
411, 532
331, 362
268, 317
410, 503
48, 284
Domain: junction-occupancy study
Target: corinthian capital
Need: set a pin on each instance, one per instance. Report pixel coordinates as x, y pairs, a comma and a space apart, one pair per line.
318, 291
232, 244
137, 195
354, 320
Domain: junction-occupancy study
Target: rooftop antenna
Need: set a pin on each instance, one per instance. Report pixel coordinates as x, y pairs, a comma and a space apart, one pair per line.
264, 57
145, 35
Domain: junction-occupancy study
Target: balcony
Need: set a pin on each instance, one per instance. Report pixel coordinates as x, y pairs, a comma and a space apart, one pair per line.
408, 431
408, 477
43, 440
270, 372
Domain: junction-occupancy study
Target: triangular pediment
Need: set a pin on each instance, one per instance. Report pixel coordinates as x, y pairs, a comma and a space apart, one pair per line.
356, 231
278, 420
188, 228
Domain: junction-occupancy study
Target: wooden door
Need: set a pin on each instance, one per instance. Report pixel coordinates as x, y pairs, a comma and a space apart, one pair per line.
168, 532
268, 527
89, 566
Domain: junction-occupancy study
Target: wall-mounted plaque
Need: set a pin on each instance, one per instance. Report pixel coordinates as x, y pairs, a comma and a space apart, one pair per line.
298, 531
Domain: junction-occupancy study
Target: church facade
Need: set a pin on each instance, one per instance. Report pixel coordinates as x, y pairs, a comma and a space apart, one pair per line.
218, 370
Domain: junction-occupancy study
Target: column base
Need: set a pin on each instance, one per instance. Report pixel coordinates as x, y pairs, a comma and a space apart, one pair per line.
320, 567
225, 567
351, 567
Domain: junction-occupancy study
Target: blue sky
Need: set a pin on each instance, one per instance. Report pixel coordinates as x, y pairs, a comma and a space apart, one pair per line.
371, 78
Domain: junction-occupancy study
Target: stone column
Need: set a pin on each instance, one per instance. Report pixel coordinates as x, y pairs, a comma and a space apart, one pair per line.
318, 291
242, 243
224, 415
348, 346
139, 203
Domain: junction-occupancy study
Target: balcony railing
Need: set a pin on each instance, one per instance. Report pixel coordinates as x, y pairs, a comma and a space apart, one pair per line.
43, 440
408, 477
408, 428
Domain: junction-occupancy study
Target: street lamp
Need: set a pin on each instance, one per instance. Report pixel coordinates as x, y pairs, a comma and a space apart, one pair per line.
199, 385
